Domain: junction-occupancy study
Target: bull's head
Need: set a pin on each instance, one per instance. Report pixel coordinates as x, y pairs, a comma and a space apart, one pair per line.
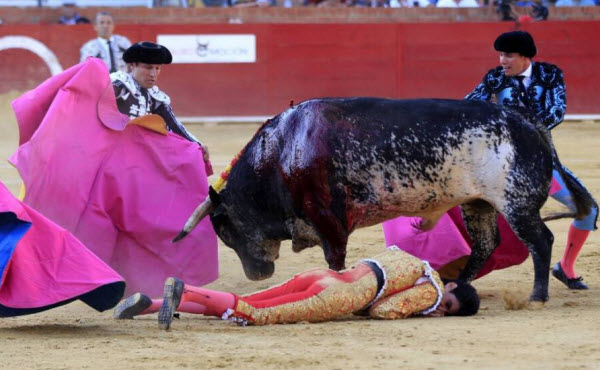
254, 249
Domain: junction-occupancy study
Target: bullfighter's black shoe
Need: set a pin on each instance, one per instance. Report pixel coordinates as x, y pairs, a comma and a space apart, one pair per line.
574, 283
132, 306
171, 298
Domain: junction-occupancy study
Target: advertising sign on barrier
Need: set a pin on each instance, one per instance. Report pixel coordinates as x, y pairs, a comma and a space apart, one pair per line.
210, 48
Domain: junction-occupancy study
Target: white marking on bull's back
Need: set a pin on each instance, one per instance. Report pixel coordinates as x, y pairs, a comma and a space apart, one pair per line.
477, 168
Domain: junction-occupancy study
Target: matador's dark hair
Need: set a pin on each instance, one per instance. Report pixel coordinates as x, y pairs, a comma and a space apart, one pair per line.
467, 297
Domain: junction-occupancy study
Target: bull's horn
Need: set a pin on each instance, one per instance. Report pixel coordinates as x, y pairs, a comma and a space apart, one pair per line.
201, 211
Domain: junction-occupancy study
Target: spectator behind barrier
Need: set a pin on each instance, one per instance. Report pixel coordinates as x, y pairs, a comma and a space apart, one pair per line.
252, 3
173, 3
70, 16
107, 46
411, 3
575, 3
505, 9
215, 3
539, 12
457, 4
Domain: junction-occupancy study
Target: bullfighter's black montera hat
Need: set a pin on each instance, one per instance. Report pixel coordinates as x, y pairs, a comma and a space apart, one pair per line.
147, 52
516, 42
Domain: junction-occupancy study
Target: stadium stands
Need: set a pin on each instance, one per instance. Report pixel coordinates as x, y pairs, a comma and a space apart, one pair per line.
86, 3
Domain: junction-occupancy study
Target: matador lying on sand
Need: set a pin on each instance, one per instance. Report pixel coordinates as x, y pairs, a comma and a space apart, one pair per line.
392, 285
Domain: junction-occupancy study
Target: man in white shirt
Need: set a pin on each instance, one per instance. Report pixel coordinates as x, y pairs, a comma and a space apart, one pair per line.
106, 46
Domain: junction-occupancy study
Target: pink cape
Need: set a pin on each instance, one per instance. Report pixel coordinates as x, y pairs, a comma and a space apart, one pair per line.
44, 266
125, 191
449, 240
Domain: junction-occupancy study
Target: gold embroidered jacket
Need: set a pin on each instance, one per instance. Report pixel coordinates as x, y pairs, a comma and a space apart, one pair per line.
399, 296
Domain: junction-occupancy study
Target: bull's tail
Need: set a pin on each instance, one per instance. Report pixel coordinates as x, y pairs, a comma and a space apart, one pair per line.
584, 202
581, 197
558, 216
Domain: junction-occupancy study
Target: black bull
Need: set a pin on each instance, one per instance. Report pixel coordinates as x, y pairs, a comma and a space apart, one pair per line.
326, 167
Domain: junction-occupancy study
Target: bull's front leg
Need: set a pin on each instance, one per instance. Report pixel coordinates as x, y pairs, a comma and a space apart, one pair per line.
335, 253
334, 238
481, 221
324, 207
332, 233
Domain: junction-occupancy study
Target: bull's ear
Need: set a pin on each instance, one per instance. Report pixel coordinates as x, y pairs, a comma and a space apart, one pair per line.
215, 198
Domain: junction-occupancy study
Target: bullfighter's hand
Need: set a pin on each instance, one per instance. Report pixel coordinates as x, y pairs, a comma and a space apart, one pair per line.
205, 152
436, 313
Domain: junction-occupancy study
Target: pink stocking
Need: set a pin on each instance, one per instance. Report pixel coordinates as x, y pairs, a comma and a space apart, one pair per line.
153, 308
575, 242
205, 301
192, 307
184, 306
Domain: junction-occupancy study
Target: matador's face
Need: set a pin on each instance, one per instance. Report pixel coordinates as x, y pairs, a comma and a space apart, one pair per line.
449, 304
513, 64
145, 74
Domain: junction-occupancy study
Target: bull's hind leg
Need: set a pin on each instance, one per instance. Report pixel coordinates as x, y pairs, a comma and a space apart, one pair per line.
532, 231
481, 222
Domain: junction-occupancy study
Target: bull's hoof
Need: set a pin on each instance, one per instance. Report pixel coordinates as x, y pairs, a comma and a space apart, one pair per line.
337, 266
336, 262
574, 283
539, 297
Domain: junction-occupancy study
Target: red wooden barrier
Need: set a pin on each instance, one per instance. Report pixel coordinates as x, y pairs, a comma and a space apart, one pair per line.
301, 61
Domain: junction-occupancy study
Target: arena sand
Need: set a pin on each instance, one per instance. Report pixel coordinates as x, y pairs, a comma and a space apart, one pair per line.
565, 333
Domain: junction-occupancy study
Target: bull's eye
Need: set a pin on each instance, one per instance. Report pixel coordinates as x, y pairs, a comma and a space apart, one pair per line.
219, 220
224, 233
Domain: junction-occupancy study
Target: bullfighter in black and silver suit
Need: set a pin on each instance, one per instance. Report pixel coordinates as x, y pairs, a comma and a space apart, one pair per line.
539, 87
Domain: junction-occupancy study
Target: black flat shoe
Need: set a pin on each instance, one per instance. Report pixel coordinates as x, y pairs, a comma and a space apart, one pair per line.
574, 283
132, 306
171, 298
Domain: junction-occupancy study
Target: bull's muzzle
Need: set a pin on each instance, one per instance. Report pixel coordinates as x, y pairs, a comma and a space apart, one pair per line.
257, 269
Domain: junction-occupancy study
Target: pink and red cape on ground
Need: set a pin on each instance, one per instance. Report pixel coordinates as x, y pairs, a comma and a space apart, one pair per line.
125, 191
44, 266
449, 241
